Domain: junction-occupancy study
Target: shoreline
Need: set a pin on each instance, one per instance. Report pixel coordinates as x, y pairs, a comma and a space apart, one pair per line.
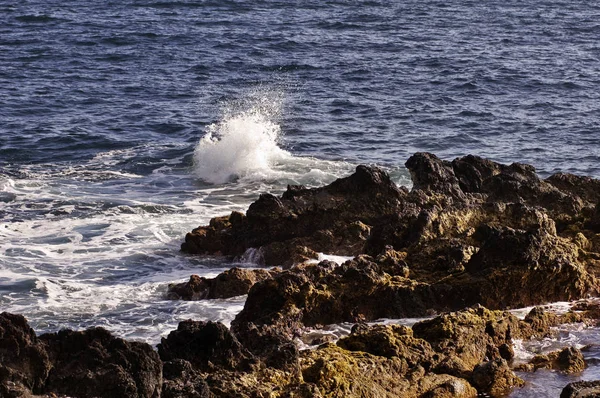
469, 240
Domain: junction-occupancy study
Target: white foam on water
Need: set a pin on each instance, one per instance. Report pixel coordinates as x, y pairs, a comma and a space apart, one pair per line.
246, 146
96, 243
336, 259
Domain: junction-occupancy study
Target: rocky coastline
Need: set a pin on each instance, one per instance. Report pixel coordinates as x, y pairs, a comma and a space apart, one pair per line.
471, 239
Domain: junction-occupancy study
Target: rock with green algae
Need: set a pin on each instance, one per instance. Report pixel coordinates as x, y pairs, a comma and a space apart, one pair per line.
495, 378
339, 373
470, 231
567, 360
456, 354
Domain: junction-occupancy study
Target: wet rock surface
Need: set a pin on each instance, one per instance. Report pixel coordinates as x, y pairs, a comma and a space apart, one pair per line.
567, 360
231, 283
581, 389
470, 231
470, 240
90, 363
456, 354
336, 219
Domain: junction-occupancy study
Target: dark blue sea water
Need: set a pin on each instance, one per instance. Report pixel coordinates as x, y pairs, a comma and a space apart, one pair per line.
124, 124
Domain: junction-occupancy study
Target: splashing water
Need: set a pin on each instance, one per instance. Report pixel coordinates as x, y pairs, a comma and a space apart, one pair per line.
241, 146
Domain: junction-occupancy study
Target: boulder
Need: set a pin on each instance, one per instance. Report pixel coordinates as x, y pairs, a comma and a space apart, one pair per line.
581, 389
24, 362
93, 363
206, 345
567, 360
495, 378
230, 283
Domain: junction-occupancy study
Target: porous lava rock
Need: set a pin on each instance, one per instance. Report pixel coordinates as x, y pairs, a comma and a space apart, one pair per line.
24, 362
90, 363
582, 389
336, 218
93, 363
470, 231
231, 283
567, 360
206, 345
495, 378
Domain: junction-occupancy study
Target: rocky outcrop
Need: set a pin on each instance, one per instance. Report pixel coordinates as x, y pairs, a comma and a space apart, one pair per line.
470, 231
457, 354
231, 283
90, 363
24, 362
205, 345
567, 360
581, 389
336, 219
93, 363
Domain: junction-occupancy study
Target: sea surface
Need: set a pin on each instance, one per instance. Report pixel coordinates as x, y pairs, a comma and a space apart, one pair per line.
125, 124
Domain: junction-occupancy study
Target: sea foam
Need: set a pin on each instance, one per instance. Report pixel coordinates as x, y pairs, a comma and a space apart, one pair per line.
242, 145
245, 147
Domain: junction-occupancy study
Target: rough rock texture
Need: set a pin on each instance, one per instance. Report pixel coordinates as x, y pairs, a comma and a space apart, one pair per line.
495, 378
336, 219
206, 345
470, 231
458, 354
91, 363
567, 360
231, 283
581, 389
24, 362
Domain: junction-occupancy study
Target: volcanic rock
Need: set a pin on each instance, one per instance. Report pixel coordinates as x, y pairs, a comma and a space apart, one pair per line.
567, 360
93, 363
206, 345
231, 283
24, 362
90, 363
581, 389
335, 218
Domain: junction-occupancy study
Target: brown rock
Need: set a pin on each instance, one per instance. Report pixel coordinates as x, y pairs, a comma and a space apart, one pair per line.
231, 283
93, 363
335, 219
24, 362
581, 389
494, 378
206, 345
567, 360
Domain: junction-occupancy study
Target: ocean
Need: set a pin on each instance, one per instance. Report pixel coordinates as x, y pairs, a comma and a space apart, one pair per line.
125, 124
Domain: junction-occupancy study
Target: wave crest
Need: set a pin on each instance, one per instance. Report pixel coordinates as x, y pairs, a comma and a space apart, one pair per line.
239, 146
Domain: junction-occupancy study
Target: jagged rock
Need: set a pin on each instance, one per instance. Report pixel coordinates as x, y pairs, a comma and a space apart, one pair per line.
231, 283
539, 323
567, 360
24, 362
466, 338
182, 381
206, 345
581, 389
338, 372
390, 341
93, 363
495, 378
335, 219
470, 231
90, 363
